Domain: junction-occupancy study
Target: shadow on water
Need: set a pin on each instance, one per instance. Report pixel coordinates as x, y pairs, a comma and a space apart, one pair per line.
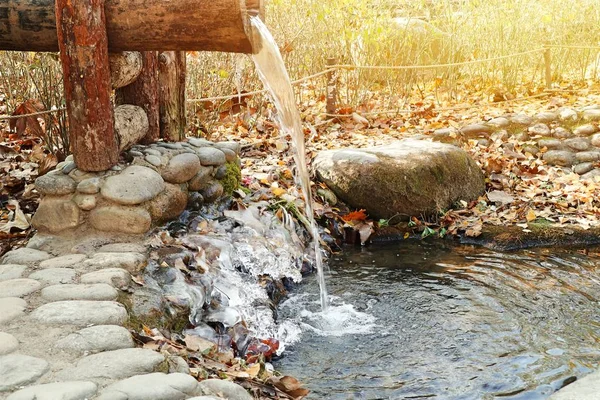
448, 323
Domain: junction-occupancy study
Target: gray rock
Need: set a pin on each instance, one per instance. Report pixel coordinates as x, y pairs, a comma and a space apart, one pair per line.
156, 386
212, 192
154, 160
8, 343
499, 122
567, 114
201, 179
409, 177
115, 364
96, 339
596, 140
585, 130
475, 130
546, 117
586, 388
169, 204
592, 175
55, 185
583, 168
68, 167
578, 143
591, 115
153, 152
521, 119
85, 202
171, 146
24, 256
521, 136
447, 135
116, 277
78, 175
226, 389
529, 148
69, 260
132, 186
80, 313
18, 287
587, 156
68, 390
130, 220
198, 142
563, 158
220, 172
539, 129
230, 155
96, 291
54, 276
135, 153
89, 186
210, 156
550, 143
11, 271
18, 369
56, 214
561, 133
132, 262
178, 364
236, 147
11, 308
181, 168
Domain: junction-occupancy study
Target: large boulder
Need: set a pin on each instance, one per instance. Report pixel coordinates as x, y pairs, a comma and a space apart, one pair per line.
406, 178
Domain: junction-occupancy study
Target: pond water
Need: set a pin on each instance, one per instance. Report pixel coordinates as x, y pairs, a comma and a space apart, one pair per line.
415, 321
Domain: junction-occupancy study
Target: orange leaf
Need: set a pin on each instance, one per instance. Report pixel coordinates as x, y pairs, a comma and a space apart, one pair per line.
355, 216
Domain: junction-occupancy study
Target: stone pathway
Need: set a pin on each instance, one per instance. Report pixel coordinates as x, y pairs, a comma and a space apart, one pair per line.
61, 333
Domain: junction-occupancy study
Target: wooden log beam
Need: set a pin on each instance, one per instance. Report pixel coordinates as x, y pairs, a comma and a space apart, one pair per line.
141, 25
84, 59
171, 78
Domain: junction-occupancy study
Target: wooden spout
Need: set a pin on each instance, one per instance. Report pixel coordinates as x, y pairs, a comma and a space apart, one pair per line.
142, 25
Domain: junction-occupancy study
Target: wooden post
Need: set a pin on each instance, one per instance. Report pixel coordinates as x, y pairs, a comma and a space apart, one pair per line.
332, 76
143, 92
171, 77
83, 44
548, 66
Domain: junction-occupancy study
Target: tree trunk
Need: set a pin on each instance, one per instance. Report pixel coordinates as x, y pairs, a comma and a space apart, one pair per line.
171, 75
84, 57
142, 25
143, 92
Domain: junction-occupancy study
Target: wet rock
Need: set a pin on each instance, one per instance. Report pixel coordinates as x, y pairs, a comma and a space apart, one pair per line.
11, 271
181, 168
8, 343
499, 122
198, 142
55, 184
227, 389
408, 177
154, 160
592, 175
567, 114
68, 390
563, 158
96, 339
591, 114
18, 369
89, 186
212, 192
24, 256
132, 262
201, 179
132, 220
585, 130
132, 186
546, 117
578, 143
521, 120
115, 364
123, 248
550, 143
561, 133
56, 215
195, 201
583, 168
116, 277
169, 204
54, 276
210, 156
588, 156
156, 386
96, 291
475, 130
85, 202
236, 147
539, 129
18, 287
80, 313
11, 308
68, 260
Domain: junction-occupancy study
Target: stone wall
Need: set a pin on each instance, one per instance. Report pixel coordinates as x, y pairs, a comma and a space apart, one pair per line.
152, 184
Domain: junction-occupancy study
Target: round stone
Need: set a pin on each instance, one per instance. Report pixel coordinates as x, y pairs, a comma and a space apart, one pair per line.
198, 142
11, 308
236, 147
97, 338
546, 117
561, 133
56, 214
228, 389
169, 204
596, 140
18, 370
67, 390
550, 143
211, 156
563, 158
567, 114
134, 185
85, 202
55, 184
68, 167
539, 129
152, 152
11, 271
588, 156
529, 148
134, 220
154, 160
96, 291
132, 262
117, 277
592, 175
89, 186
591, 115
156, 386
499, 122
578, 143
181, 168
201, 179
475, 130
81, 313
54, 276
221, 172
230, 155
521, 119
583, 168
68, 260
585, 130
18, 287
8, 343
212, 192
24, 256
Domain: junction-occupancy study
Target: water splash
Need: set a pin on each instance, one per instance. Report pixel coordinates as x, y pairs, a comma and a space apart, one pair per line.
275, 78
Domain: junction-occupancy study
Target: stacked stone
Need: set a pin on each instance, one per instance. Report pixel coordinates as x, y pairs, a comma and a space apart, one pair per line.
566, 137
155, 185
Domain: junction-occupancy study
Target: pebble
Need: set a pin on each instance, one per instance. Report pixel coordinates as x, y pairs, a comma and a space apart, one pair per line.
115, 364
562, 133
578, 143
96, 291
54, 276
89, 186
96, 339
132, 262
24, 256
588, 156
583, 168
68, 390
18, 287
210, 156
56, 214
539, 129
154, 160
559, 157
81, 312
116, 277
130, 220
156, 386
585, 130
591, 115
181, 168
85, 202
8, 343
70, 260
11, 271
134, 185
18, 369
55, 185
11, 308
227, 389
